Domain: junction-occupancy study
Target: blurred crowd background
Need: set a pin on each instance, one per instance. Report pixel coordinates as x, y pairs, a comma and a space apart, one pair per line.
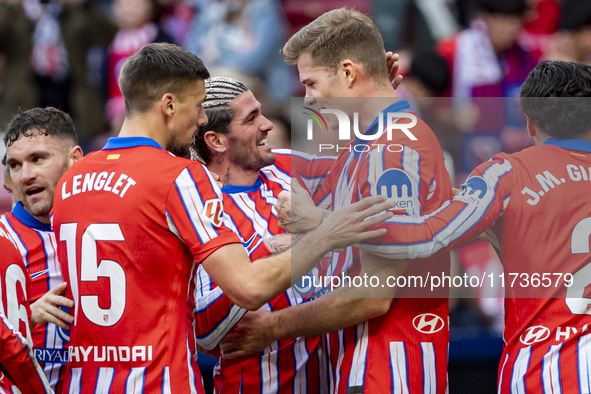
467, 53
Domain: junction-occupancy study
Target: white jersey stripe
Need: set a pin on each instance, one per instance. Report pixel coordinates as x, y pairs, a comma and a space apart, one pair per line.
270, 373
19, 243
519, 369
190, 355
429, 368
274, 174
551, 370
166, 381
339, 361
75, 380
584, 363
398, 368
301, 356
411, 166
104, 380
501, 375
357, 374
135, 381
194, 206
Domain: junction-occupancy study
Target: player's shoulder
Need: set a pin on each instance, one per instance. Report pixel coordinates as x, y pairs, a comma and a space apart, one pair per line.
7, 243
533, 155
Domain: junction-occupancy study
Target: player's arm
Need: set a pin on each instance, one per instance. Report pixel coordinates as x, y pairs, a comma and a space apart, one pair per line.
215, 314
196, 216
250, 285
479, 204
337, 310
18, 362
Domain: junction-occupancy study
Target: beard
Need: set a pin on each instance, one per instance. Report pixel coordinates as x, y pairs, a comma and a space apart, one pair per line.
39, 208
250, 159
177, 148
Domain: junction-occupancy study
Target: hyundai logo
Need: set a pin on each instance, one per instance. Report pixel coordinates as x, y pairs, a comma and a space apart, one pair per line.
428, 323
534, 334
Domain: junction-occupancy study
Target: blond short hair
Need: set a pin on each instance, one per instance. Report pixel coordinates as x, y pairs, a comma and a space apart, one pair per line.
337, 35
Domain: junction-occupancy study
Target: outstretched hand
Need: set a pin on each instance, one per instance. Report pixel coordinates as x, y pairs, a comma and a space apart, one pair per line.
346, 225
47, 308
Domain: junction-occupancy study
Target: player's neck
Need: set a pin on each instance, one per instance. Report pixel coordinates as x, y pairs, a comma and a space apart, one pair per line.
43, 219
370, 107
232, 175
139, 126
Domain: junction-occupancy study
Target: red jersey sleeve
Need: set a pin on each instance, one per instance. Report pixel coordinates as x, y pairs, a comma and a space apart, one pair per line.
195, 212
482, 199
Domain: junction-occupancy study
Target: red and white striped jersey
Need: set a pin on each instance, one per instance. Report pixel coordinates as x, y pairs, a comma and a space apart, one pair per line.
405, 350
287, 366
37, 244
538, 202
133, 223
18, 366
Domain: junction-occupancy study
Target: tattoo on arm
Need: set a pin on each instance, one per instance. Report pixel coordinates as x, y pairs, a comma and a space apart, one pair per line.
281, 242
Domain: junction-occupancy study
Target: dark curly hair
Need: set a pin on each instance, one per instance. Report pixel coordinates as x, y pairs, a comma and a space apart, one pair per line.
46, 121
555, 97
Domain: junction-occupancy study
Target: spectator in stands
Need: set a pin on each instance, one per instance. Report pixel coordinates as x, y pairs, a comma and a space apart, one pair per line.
573, 42
487, 61
244, 35
175, 18
48, 52
135, 21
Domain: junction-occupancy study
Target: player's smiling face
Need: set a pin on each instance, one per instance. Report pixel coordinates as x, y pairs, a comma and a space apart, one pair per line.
320, 81
247, 138
189, 114
323, 86
36, 164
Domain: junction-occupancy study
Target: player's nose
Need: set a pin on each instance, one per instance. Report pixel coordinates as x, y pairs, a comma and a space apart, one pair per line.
309, 100
266, 125
202, 118
28, 172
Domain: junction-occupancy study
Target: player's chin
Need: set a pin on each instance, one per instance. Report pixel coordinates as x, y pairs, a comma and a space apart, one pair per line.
38, 207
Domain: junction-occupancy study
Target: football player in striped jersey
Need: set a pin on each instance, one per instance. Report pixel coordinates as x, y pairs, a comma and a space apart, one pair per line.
41, 144
233, 144
537, 202
134, 221
382, 344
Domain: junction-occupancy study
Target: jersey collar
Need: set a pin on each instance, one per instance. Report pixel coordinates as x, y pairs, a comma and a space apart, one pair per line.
570, 143
399, 106
130, 142
27, 219
231, 189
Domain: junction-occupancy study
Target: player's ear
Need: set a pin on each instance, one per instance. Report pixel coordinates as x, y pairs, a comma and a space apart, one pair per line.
74, 154
350, 70
216, 142
531, 128
168, 104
